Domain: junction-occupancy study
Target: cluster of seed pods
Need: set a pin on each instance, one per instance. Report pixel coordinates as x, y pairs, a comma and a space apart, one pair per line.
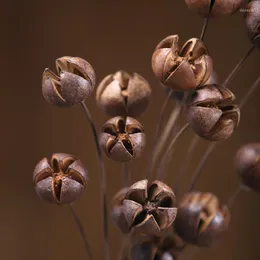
147, 209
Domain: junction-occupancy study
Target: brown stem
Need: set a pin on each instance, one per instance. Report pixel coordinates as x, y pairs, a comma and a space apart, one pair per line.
238, 66
82, 232
233, 197
199, 168
252, 89
160, 174
126, 179
204, 28
185, 163
157, 131
102, 180
165, 134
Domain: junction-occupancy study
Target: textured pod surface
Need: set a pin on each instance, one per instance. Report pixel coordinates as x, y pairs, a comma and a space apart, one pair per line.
201, 220
117, 213
252, 21
149, 209
181, 68
60, 180
217, 7
122, 139
247, 164
211, 114
75, 82
121, 94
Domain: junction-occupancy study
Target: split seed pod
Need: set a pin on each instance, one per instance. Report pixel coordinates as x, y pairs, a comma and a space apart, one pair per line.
252, 22
216, 7
247, 164
201, 220
211, 114
167, 248
122, 139
60, 180
118, 211
181, 69
121, 94
75, 82
149, 209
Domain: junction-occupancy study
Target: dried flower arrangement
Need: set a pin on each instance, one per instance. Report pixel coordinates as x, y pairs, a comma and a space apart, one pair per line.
156, 224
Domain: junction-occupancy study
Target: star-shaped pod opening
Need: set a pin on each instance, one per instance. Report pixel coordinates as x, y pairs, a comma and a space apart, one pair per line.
150, 209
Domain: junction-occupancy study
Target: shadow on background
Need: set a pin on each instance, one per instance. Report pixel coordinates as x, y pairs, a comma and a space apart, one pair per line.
111, 36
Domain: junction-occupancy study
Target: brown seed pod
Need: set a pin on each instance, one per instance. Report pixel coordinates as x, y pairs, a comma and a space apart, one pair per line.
118, 211
121, 94
122, 139
201, 220
211, 114
252, 22
247, 164
164, 248
149, 209
75, 82
217, 7
60, 180
181, 69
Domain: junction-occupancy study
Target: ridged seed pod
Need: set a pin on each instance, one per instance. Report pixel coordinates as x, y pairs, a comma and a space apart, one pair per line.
181, 69
211, 114
74, 83
121, 94
201, 220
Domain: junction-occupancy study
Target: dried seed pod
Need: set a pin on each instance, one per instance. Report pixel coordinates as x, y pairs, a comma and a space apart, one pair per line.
164, 248
149, 209
216, 7
247, 164
211, 114
252, 22
122, 139
121, 94
117, 211
60, 180
201, 220
75, 82
181, 69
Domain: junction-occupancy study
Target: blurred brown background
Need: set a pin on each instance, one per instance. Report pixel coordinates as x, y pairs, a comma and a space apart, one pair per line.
111, 35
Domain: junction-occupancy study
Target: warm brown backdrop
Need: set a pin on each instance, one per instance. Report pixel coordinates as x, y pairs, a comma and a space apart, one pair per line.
111, 35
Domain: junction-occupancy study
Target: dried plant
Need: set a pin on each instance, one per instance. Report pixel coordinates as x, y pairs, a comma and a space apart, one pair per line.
156, 221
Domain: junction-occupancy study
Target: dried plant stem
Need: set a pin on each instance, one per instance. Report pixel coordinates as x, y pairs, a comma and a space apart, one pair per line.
160, 174
185, 163
82, 232
199, 168
249, 93
126, 179
204, 28
238, 66
166, 133
157, 130
234, 196
124, 252
102, 180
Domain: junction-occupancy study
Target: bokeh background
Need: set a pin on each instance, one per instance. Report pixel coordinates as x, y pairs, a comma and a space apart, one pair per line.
111, 35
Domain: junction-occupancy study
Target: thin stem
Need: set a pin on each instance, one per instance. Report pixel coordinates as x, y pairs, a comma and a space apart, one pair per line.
102, 180
249, 93
234, 196
204, 28
199, 168
186, 162
163, 138
238, 66
125, 175
82, 232
157, 131
168, 151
